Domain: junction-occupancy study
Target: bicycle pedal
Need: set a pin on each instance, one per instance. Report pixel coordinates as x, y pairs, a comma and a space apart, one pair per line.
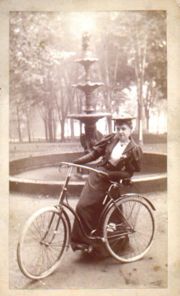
93, 232
88, 250
111, 227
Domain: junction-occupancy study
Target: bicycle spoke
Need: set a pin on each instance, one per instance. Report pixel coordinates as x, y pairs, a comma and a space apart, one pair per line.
39, 262
132, 213
34, 235
37, 228
54, 253
42, 243
131, 209
134, 221
48, 258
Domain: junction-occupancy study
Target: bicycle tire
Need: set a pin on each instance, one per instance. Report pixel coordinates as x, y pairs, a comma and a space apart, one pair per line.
125, 243
42, 243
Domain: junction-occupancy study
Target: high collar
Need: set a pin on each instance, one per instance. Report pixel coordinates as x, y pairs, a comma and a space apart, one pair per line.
130, 145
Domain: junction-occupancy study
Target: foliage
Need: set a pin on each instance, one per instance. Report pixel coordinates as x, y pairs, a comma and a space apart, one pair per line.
130, 46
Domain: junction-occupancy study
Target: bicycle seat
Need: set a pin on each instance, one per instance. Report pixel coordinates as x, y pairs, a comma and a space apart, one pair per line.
127, 182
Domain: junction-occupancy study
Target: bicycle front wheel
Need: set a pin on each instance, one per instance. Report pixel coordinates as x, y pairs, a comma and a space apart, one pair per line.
42, 243
129, 229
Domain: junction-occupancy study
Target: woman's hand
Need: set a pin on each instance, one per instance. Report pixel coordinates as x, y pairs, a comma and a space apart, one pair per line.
86, 158
117, 175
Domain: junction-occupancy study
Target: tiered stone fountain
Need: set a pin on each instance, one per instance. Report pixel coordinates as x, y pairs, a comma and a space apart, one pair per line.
90, 116
39, 174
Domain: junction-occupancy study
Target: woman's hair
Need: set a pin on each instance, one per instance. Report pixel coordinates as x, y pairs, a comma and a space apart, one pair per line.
127, 122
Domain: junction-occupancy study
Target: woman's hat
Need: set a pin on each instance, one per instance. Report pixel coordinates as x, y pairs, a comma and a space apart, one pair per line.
123, 118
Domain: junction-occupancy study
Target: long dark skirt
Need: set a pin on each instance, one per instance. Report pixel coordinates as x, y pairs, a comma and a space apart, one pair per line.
90, 206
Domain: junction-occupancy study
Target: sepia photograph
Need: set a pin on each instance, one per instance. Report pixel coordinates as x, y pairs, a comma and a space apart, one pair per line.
88, 149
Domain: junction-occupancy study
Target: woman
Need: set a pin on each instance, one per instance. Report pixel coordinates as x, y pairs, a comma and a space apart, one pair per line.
121, 157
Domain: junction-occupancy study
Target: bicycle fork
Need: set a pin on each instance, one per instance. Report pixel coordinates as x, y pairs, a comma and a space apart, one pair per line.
48, 242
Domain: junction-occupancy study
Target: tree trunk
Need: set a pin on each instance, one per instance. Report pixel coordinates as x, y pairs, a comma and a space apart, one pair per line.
140, 124
46, 130
116, 66
19, 124
140, 113
147, 122
72, 128
54, 130
109, 122
28, 130
107, 102
62, 130
50, 128
140, 58
147, 117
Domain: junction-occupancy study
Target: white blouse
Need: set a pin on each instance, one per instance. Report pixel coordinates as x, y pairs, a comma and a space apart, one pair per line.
117, 153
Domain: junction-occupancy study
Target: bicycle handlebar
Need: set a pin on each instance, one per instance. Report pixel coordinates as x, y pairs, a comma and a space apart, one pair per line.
83, 167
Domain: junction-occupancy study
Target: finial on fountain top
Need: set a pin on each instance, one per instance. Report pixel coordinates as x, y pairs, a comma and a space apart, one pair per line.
85, 40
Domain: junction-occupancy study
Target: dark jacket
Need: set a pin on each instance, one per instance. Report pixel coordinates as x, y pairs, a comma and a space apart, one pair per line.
125, 167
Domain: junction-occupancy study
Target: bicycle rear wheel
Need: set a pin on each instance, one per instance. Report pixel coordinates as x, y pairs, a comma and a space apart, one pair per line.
42, 243
128, 229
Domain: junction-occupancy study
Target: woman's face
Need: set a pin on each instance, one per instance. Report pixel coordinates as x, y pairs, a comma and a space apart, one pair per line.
123, 132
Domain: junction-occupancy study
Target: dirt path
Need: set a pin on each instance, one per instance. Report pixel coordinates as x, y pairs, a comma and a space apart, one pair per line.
79, 272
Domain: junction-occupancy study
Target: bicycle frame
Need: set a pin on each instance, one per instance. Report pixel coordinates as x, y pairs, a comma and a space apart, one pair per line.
63, 205
48, 230
64, 189
111, 202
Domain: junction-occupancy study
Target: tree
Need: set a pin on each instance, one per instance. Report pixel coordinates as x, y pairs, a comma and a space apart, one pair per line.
131, 47
35, 50
134, 49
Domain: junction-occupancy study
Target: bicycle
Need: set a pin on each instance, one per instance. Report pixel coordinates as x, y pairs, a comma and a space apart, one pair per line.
47, 233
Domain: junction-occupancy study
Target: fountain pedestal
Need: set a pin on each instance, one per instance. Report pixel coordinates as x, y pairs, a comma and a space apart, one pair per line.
90, 116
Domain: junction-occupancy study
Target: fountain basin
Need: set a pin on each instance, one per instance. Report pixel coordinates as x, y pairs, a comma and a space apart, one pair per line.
88, 87
89, 118
40, 174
